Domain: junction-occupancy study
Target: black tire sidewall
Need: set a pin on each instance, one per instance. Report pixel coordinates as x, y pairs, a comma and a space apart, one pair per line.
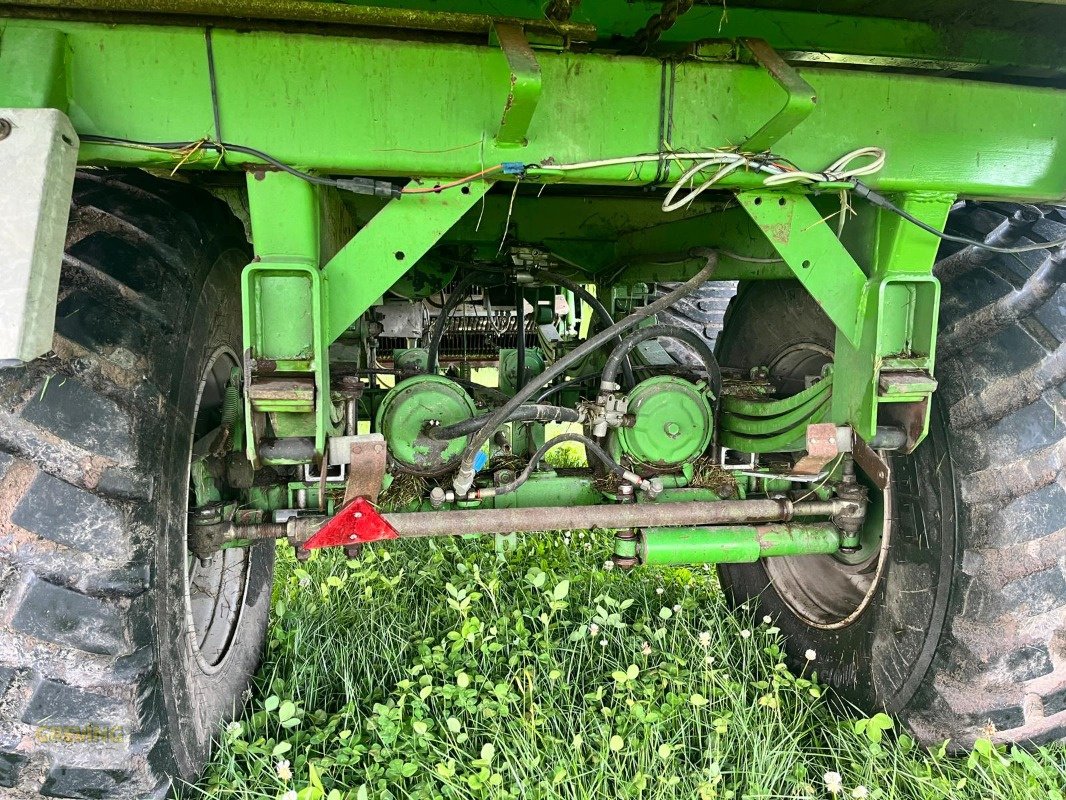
880, 659
197, 701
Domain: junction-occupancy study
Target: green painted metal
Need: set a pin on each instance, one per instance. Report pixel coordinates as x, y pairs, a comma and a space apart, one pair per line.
767, 426
407, 107
748, 407
439, 120
898, 320
735, 544
817, 258
525, 86
790, 440
508, 367
800, 98
410, 408
673, 423
993, 38
36, 60
885, 311
284, 314
383, 250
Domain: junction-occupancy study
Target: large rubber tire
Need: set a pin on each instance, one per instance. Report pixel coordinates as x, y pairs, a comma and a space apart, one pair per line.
95, 441
965, 633
702, 311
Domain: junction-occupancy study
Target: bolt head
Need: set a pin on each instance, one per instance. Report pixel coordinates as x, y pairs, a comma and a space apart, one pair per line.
672, 429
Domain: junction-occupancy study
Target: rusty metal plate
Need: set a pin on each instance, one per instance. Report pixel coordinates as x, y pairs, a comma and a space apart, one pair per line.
870, 462
822, 447
366, 468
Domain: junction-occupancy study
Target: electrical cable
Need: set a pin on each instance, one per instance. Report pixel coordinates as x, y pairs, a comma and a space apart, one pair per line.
451, 185
366, 186
464, 476
865, 192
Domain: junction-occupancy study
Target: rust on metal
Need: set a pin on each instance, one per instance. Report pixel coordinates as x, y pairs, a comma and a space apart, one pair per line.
870, 462
366, 469
822, 447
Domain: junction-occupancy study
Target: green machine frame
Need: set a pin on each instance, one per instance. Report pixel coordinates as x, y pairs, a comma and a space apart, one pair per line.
524, 100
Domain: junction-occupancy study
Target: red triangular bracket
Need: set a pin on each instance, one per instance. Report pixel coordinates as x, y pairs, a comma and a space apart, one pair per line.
357, 522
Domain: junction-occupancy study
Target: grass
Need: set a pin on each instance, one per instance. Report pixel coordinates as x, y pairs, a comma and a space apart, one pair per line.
436, 669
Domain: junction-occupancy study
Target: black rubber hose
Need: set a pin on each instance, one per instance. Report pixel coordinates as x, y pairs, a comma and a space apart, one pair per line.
529, 413
520, 342
437, 331
598, 308
591, 449
464, 476
609, 376
570, 384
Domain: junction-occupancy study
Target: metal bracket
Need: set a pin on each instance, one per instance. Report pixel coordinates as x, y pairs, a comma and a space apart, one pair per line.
523, 91
822, 447
38, 157
387, 246
815, 255
799, 102
366, 467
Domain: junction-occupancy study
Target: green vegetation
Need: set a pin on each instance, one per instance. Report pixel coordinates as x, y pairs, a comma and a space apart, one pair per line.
428, 669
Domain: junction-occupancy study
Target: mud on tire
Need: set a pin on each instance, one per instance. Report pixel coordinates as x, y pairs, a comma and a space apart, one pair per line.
94, 451
966, 634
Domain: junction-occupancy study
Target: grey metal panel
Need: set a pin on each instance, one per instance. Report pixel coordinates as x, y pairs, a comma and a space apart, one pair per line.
38, 157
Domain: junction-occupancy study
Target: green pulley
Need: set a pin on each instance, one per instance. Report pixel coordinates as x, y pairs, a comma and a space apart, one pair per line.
410, 409
673, 423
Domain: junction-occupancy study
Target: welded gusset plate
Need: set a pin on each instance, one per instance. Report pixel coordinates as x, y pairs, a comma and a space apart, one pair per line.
356, 523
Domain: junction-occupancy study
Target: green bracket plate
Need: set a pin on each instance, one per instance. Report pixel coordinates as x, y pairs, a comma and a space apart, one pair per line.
800, 97
387, 246
812, 251
524, 85
283, 311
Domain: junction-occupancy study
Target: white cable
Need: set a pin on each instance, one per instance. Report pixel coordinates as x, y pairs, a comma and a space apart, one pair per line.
839, 171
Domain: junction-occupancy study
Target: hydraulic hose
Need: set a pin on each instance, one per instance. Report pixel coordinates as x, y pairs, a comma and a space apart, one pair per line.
464, 477
609, 376
437, 331
591, 449
598, 308
527, 413
520, 341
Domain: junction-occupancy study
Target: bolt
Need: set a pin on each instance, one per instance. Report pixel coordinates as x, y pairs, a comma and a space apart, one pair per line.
5, 128
358, 514
673, 430
353, 550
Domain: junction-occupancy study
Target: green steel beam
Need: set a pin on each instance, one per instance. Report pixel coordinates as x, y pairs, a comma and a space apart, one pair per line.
33, 69
284, 313
407, 108
387, 246
1014, 39
802, 237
